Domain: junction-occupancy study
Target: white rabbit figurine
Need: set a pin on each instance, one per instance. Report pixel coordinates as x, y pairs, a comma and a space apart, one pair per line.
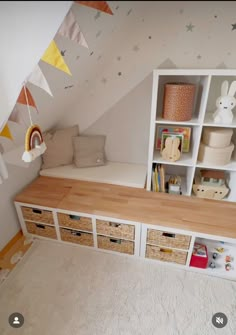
225, 103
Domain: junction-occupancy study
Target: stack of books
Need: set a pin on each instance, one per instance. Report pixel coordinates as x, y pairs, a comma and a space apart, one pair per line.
158, 178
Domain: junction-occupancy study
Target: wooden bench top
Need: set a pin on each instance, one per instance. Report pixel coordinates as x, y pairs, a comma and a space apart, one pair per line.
181, 212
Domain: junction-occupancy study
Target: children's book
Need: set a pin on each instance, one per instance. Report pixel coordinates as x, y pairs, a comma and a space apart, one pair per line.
186, 131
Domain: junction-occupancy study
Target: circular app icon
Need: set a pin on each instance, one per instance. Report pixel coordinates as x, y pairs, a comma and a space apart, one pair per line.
16, 320
219, 320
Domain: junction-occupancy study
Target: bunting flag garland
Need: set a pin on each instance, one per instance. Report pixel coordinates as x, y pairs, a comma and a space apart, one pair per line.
22, 99
38, 79
17, 116
99, 5
53, 57
71, 29
6, 132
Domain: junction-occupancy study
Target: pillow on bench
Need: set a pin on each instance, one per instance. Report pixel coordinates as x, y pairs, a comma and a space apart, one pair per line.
59, 147
89, 150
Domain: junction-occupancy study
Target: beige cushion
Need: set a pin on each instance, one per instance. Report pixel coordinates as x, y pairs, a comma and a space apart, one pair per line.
89, 150
59, 147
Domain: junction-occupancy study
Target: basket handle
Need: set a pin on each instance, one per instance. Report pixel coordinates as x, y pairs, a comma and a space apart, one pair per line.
112, 240
75, 233
113, 224
37, 211
40, 226
168, 235
74, 217
167, 251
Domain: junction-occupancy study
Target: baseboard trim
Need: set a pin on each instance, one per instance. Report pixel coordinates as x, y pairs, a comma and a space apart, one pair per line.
10, 244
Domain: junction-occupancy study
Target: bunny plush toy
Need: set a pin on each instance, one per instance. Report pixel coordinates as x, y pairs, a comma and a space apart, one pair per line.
225, 103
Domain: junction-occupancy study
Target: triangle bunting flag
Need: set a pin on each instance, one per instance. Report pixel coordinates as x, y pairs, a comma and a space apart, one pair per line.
6, 132
71, 29
22, 98
38, 79
53, 57
99, 5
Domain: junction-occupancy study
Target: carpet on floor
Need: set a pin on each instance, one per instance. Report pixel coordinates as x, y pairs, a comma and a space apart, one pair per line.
62, 289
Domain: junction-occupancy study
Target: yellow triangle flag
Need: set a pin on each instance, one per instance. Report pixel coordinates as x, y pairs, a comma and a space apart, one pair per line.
6, 132
53, 57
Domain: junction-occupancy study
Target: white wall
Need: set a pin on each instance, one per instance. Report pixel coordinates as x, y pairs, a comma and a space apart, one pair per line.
23, 41
126, 126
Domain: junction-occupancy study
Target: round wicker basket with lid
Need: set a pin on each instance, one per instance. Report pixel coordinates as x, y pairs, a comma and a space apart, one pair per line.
178, 101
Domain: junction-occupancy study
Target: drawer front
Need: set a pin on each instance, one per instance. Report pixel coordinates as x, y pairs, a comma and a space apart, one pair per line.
75, 221
75, 236
114, 244
36, 214
166, 255
115, 229
168, 239
41, 230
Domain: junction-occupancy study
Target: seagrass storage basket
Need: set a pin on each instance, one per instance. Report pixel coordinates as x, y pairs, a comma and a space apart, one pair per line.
166, 255
167, 239
178, 101
41, 229
36, 214
76, 236
75, 221
114, 244
115, 229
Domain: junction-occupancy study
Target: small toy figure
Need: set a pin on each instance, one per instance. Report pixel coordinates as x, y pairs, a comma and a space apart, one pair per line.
212, 265
229, 258
225, 103
220, 250
214, 256
228, 266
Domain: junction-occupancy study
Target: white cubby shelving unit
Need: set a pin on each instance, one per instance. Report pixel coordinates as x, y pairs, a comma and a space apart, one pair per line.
208, 88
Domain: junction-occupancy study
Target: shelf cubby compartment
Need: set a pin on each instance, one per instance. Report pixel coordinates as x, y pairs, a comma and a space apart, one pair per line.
186, 159
230, 180
186, 174
214, 93
224, 252
201, 82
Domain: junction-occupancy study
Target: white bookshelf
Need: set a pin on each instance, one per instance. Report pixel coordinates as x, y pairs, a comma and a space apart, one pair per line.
208, 88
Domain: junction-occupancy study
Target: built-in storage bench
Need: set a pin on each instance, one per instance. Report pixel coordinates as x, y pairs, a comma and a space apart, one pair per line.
157, 227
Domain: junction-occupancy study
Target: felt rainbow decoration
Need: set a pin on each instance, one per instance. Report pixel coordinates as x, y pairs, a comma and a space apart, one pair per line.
34, 144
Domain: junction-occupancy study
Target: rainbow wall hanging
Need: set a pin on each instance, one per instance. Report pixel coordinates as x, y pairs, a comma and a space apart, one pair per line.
34, 144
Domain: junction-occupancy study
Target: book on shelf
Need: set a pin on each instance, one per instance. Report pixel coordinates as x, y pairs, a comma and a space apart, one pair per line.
185, 131
199, 250
158, 178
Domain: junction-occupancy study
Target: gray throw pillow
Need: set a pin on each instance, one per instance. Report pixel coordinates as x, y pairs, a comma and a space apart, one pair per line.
89, 150
59, 147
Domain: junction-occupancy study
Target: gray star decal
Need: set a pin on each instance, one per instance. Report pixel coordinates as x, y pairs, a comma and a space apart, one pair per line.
199, 57
233, 26
63, 52
129, 12
118, 58
97, 15
98, 33
136, 48
104, 80
190, 27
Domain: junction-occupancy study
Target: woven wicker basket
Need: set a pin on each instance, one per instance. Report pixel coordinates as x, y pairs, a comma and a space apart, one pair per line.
166, 255
118, 245
76, 236
76, 222
178, 101
38, 215
119, 230
167, 239
41, 230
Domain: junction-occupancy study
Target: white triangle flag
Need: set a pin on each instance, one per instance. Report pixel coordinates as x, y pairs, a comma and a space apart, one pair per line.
38, 79
71, 29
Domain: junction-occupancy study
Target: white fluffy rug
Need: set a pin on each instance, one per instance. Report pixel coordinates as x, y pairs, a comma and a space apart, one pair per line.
68, 290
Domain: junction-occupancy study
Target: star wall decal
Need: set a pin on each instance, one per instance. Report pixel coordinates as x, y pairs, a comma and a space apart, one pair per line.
97, 15
190, 27
104, 80
63, 52
233, 26
77, 57
199, 57
69, 86
98, 33
99, 57
91, 53
119, 73
129, 12
136, 48
117, 7
118, 58
181, 11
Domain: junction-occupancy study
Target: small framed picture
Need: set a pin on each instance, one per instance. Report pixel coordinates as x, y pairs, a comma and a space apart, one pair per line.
164, 136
